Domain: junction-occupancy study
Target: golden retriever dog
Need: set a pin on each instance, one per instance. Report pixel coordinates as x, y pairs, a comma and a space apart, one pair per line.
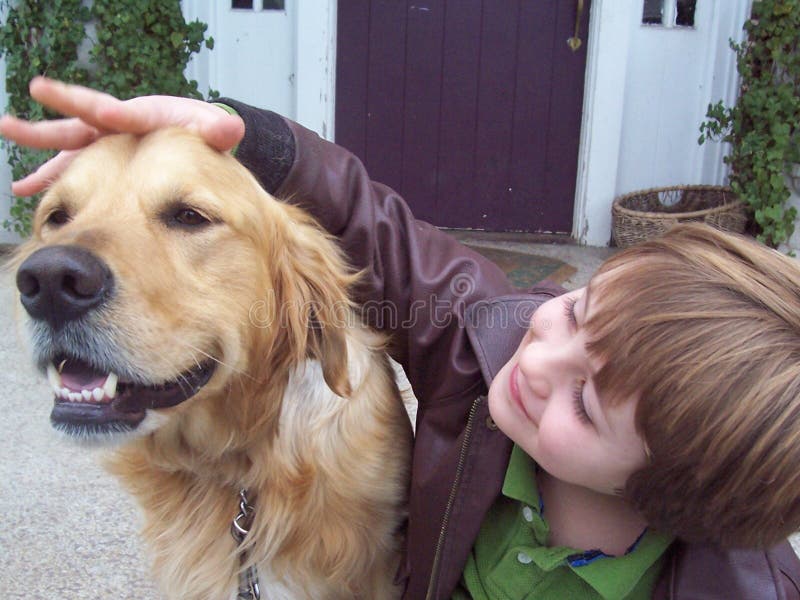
205, 329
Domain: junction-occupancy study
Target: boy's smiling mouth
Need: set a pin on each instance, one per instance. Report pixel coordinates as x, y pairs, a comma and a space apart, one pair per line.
516, 397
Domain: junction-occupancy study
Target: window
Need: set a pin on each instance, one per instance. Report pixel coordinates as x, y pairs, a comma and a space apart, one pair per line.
685, 13
258, 4
653, 12
669, 13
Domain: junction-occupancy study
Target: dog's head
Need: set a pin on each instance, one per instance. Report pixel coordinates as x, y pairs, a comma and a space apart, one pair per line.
159, 272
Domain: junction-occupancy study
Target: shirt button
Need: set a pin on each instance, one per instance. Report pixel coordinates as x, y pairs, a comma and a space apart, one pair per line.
524, 558
527, 513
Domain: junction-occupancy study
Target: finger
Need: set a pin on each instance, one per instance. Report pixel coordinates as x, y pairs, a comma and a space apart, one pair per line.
73, 100
60, 134
223, 133
44, 176
137, 116
216, 126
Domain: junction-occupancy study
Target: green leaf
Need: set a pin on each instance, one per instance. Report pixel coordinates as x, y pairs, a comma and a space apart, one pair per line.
763, 127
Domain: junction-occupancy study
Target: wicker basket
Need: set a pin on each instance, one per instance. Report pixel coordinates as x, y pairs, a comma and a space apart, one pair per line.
647, 213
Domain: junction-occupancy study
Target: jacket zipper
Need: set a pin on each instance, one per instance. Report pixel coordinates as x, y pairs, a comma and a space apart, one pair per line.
451, 499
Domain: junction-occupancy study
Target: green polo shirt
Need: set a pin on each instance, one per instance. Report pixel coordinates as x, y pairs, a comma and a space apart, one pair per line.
511, 561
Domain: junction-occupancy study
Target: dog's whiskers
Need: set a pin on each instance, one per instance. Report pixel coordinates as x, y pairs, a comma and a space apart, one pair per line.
216, 360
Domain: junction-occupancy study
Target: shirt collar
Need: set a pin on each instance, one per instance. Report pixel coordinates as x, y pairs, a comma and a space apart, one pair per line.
611, 576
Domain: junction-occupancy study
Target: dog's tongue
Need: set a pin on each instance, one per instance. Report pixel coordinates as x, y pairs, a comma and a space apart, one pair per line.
77, 376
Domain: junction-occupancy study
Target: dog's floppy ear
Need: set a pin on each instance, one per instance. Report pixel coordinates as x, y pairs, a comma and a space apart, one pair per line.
311, 282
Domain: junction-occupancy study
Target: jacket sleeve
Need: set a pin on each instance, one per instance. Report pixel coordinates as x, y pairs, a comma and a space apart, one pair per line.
699, 572
417, 280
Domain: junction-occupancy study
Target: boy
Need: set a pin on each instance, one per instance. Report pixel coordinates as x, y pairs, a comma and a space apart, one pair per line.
630, 428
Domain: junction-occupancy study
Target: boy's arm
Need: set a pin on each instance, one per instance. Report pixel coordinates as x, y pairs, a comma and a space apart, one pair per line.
417, 281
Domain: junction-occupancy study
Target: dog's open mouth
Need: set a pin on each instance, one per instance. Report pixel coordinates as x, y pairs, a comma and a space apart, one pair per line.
86, 398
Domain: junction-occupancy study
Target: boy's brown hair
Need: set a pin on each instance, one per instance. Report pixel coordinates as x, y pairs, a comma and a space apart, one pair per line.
704, 328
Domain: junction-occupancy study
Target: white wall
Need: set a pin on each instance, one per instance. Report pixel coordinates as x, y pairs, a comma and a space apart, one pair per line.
647, 91
5, 169
603, 115
721, 72
281, 60
6, 237
253, 59
671, 80
793, 183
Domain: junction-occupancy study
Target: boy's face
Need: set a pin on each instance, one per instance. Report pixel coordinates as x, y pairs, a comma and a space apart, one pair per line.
545, 400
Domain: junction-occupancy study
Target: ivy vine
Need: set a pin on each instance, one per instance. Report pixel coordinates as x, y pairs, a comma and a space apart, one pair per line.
763, 127
124, 47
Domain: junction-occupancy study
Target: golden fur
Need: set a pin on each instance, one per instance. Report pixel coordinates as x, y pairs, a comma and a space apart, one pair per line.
302, 409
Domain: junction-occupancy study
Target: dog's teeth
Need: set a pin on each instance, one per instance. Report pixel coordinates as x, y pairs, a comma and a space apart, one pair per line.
54, 377
98, 394
110, 386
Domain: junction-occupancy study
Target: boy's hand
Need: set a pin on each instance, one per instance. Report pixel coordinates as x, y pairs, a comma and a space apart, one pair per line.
95, 114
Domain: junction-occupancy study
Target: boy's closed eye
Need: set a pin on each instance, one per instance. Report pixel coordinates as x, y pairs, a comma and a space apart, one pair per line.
569, 310
579, 402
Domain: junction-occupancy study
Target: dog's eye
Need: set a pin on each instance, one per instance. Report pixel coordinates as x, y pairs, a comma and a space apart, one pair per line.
58, 217
188, 217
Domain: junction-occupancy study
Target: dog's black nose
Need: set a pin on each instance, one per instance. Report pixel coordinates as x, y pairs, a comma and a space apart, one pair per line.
60, 283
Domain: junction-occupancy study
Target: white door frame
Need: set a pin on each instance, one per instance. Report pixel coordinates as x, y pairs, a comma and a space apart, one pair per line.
313, 81
316, 65
601, 128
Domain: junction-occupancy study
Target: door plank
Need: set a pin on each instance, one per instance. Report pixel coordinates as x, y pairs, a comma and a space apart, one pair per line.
530, 140
423, 102
352, 22
457, 132
495, 106
564, 128
385, 98
471, 109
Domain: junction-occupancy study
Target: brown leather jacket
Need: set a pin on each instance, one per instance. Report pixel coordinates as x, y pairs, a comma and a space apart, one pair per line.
454, 320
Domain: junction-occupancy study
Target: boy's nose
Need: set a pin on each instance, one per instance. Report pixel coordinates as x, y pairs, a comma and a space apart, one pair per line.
536, 373
542, 365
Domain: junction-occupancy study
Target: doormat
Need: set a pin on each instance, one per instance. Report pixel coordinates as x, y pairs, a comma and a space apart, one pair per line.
525, 270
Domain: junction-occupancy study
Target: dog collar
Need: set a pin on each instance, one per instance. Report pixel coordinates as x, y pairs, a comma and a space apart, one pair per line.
240, 527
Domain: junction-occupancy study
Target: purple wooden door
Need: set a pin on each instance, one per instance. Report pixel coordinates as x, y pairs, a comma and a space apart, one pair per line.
471, 109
